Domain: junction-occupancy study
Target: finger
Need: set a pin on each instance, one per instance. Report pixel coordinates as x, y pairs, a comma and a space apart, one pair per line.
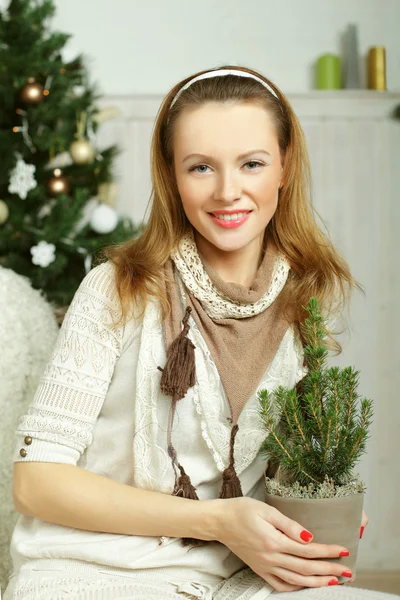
364, 523
281, 586
306, 581
364, 520
313, 567
291, 528
312, 550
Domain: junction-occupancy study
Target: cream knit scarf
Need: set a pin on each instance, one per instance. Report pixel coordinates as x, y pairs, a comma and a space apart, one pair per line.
242, 327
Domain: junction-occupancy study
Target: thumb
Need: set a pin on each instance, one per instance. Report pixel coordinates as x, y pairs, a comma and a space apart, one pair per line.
291, 528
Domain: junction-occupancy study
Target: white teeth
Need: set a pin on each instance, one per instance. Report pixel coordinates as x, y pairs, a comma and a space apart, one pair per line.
233, 217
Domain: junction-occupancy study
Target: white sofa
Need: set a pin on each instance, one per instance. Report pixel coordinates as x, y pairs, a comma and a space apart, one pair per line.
28, 331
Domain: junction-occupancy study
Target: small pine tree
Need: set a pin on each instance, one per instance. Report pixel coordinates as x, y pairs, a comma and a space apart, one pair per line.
316, 433
47, 104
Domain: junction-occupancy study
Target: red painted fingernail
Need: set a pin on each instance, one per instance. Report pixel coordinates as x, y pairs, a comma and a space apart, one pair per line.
344, 553
333, 582
347, 574
361, 532
306, 535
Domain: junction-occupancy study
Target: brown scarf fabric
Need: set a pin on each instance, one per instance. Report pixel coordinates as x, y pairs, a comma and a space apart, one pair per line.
242, 349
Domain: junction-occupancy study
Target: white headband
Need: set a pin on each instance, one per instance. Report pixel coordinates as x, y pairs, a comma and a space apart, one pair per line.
220, 73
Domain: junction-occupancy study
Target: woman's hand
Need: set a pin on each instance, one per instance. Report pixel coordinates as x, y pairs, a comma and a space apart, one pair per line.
270, 544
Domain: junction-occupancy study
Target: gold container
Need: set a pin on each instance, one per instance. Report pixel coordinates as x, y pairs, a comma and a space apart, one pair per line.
377, 68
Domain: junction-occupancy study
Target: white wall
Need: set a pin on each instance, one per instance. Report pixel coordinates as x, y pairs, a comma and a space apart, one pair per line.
137, 47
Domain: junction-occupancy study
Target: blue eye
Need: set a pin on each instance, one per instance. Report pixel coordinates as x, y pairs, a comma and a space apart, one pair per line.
197, 167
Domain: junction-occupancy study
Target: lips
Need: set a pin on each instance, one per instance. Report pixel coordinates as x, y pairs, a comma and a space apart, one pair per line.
230, 223
228, 212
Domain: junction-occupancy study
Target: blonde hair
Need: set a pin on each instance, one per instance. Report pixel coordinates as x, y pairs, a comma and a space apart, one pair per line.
316, 267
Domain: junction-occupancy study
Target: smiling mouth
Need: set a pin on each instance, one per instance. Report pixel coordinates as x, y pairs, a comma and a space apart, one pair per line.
231, 216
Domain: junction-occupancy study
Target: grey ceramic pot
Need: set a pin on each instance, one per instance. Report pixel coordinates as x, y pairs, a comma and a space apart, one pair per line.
330, 520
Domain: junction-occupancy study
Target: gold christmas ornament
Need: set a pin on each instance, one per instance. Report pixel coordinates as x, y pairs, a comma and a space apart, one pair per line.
32, 92
4, 212
107, 193
58, 184
82, 152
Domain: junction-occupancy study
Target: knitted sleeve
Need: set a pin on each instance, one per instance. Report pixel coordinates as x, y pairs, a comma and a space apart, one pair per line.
58, 424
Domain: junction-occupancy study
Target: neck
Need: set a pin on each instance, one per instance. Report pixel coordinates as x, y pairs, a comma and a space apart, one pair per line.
236, 266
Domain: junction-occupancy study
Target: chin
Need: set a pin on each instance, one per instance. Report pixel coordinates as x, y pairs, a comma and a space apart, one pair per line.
228, 243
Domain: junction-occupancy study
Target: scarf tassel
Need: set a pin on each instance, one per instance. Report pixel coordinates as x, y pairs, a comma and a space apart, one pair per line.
184, 488
179, 373
231, 486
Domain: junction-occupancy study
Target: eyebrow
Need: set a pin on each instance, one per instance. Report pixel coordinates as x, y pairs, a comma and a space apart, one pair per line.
239, 157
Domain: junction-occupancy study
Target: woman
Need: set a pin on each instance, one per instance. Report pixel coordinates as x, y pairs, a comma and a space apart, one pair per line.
150, 398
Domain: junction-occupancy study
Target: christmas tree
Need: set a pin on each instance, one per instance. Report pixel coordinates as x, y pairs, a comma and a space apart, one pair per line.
50, 169
318, 430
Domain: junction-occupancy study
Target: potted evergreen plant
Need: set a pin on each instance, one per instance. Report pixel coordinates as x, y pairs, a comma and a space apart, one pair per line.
316, 433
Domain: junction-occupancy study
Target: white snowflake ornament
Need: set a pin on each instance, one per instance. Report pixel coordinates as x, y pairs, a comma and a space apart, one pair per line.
22, 179
43, 254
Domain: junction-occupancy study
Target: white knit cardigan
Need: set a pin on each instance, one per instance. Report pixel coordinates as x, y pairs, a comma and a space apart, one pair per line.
99, 406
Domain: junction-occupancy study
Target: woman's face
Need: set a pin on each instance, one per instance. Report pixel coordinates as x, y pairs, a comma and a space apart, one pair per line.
227, 162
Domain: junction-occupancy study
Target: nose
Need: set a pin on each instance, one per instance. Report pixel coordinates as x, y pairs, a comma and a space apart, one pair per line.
227, 188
